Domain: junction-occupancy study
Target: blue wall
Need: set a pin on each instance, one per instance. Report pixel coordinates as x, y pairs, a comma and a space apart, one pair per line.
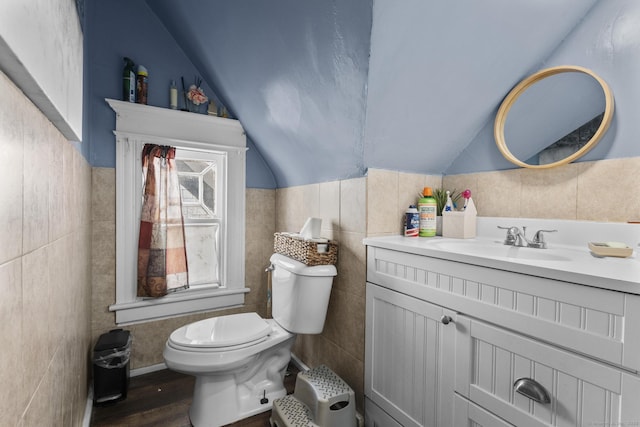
607, 41
294, 72
439, 70
118, 28
326, 90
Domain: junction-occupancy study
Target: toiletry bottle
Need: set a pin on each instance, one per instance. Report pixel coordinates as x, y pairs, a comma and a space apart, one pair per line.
427, 207
128, 81
448, 206
142, 83
212, 109
411, 222
173, 95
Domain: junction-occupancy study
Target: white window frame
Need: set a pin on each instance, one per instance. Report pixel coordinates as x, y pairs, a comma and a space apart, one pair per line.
137, 125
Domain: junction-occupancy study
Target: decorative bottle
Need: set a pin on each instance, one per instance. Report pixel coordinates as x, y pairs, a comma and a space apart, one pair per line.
173, 95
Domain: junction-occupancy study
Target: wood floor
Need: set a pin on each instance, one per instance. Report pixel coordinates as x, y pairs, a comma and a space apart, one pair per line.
162, 399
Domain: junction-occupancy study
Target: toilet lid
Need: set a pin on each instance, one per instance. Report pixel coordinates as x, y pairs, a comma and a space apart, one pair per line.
223, 331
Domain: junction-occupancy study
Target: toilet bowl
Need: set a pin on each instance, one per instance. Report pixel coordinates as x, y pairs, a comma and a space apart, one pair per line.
239, 360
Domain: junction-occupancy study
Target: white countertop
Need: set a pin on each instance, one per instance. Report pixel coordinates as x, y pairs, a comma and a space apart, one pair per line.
567, 257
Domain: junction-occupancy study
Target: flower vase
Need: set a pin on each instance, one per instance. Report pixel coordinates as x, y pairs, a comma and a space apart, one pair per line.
196, 108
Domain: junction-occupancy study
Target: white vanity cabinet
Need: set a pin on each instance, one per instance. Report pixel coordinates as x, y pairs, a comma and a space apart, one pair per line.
578, 345
409, 345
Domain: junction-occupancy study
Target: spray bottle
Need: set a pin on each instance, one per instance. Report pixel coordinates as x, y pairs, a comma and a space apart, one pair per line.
129, 81
142, 83
427, 207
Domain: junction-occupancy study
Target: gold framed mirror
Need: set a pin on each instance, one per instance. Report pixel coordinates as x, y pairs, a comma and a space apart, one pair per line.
565, 109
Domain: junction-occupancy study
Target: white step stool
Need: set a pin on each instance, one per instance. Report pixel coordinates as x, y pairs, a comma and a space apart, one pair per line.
320, 399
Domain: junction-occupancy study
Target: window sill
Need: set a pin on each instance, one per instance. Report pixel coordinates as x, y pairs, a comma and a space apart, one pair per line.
177, 304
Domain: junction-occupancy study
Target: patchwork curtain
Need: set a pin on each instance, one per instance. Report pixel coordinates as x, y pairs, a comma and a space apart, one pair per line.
162, 257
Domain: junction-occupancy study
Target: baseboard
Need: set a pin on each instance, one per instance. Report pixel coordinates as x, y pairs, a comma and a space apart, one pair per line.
299, 363
147, 369
88, 409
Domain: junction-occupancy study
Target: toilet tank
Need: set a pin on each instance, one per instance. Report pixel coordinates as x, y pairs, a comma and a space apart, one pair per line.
300, 294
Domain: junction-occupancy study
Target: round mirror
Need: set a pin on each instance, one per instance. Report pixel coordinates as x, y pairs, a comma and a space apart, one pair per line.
553, 117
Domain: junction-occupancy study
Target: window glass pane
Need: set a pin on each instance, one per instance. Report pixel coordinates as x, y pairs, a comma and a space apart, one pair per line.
202, 253
195, 212
190, 189
208, 189
198, 188
196, 166
198, 181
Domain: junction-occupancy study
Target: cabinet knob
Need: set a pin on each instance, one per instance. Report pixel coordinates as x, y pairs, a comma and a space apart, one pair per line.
446, 319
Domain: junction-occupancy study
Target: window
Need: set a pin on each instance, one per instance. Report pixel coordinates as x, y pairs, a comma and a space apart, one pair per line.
201, 186
210, 154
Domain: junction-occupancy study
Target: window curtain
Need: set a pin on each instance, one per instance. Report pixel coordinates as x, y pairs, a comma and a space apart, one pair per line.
162, 257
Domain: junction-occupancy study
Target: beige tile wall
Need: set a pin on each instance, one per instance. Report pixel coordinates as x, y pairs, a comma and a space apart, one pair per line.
44, 269
149, 338
342, 207
350, 210
604, 190
389, 194
374, 205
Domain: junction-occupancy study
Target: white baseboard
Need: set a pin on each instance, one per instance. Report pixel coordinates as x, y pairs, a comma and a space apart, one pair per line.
147, 369
88, 409
299, 363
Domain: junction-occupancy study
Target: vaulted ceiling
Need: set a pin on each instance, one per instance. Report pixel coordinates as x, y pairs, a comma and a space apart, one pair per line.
327, 89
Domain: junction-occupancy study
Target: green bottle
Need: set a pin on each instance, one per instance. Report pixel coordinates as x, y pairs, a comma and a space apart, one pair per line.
129, 81
427, 209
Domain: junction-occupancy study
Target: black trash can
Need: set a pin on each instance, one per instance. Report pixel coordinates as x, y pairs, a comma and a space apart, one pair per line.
111, 367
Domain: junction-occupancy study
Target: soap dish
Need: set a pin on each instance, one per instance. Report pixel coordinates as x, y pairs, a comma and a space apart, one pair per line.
615, 249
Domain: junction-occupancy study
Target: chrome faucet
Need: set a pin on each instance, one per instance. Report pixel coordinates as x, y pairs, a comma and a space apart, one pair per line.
518, 238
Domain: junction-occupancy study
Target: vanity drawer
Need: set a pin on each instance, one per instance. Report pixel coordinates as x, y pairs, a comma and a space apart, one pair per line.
600, 323
581, 391
468, 414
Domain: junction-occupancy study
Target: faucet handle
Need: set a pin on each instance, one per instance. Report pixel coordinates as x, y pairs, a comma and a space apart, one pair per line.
538, 238
512, 234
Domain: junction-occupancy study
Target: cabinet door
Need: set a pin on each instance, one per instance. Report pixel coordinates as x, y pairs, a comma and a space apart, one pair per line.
581, 391
409, 358
468, 414
376, 417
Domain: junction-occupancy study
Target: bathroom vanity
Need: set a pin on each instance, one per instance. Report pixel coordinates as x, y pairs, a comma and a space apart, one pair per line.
475, 333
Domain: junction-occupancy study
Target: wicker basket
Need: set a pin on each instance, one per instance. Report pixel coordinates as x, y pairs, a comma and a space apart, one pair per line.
304, 251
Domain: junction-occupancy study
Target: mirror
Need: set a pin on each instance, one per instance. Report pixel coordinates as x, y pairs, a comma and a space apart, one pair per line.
553, 117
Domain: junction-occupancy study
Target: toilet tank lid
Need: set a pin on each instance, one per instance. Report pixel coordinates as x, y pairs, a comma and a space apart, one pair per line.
301, 269
222, 331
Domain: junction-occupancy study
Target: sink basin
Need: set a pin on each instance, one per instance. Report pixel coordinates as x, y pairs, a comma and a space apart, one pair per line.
493, 249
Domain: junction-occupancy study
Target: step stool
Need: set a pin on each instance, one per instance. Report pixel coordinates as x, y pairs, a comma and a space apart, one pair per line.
320, 399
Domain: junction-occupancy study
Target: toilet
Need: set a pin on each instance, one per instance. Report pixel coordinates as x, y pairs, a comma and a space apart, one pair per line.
239, 360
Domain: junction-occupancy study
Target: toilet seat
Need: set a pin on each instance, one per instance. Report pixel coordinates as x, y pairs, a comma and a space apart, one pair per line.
223, 333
